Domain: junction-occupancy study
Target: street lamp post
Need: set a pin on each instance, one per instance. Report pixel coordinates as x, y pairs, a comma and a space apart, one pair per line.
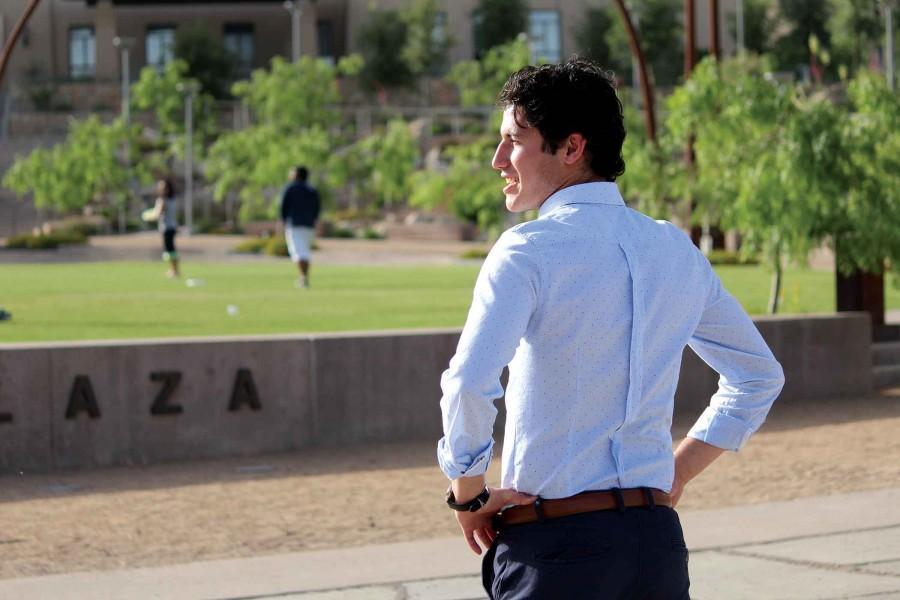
295, 7
124, 45
189, 89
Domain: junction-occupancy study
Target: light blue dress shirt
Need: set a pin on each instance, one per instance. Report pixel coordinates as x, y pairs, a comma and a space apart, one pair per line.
591, 305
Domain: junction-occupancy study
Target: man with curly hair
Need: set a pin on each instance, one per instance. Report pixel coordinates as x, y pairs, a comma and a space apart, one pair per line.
590, 306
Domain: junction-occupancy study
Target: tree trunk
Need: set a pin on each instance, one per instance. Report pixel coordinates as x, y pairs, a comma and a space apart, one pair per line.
775, 291
861, 291
646, 87
14, 37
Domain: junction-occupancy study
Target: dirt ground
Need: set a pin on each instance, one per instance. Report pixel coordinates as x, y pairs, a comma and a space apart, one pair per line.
128, 517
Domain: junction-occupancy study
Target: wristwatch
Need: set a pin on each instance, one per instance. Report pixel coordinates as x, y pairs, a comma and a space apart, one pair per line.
473, 505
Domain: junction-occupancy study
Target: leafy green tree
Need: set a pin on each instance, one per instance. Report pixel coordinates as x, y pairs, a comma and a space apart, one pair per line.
591, 37
661, 29
498, 22
207, 60
864, 224
802, 19
161, 93
856, 28
291, 95
382, 41
394, 154
427, 41
756, 165
295, 117
470, 189
88, 166
791, 169
759, 22
480, 81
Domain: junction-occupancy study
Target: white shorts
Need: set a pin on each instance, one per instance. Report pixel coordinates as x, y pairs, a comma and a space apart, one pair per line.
299, 242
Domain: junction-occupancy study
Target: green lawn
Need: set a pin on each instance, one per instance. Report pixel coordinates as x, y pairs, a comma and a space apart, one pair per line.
134, 300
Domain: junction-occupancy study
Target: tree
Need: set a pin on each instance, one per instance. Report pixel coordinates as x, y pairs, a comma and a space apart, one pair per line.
757, 169
427, 41
759, 23
207, 60
160, 93
661, 29
88, 166
382, 41
378, 166
591, 38
470, 188
863, 224
498, 22
479, 81
293, 103
791, 169
803, 19
856, 30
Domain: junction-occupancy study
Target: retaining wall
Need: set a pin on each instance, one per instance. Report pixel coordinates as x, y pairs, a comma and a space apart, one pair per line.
138, 402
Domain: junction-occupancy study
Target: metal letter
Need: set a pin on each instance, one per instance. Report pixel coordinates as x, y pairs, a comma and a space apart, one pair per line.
82, 399
161, 405
244, 392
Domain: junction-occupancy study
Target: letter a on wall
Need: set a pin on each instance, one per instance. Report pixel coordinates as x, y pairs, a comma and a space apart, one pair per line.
244, 392
82, 398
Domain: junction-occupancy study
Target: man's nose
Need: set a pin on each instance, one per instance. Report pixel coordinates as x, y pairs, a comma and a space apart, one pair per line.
501, 157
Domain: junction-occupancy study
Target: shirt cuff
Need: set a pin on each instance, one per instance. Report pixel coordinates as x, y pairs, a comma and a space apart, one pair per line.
721, 430
464, 466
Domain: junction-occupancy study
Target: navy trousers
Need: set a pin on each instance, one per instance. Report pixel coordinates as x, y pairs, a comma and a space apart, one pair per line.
633, 554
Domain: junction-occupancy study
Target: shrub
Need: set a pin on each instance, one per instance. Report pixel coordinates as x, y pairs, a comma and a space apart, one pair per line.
727, 257
251, 246
276, 246
49, 241
480, 253
370, 234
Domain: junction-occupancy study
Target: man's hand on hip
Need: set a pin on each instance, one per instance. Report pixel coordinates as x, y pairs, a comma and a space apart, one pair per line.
478, 526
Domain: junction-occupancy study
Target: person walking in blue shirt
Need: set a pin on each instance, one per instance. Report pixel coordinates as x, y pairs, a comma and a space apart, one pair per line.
299, 211
590, 306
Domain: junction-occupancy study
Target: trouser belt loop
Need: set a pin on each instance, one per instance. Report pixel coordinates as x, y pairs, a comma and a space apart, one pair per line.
650, 501
539, 510
620, 499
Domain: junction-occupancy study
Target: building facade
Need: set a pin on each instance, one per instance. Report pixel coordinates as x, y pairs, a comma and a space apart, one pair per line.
72, 40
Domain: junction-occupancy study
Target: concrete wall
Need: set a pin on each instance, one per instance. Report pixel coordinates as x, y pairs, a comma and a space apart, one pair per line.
329, 390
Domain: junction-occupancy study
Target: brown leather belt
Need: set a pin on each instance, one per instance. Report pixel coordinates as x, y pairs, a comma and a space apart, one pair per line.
582, 503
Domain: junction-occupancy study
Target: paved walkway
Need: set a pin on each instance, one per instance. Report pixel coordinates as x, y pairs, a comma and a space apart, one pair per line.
146, 246
819, 548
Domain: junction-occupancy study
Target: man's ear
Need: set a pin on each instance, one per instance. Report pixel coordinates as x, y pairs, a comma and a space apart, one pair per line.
574, 148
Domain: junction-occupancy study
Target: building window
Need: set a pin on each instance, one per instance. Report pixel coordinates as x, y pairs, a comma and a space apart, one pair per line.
238, 40
543, 30
439, 29
82, 58
325, 31
160, 46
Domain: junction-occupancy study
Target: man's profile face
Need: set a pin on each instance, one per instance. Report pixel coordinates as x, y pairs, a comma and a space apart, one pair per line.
531, 174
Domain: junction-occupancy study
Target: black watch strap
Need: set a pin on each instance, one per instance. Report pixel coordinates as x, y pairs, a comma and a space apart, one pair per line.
473, 505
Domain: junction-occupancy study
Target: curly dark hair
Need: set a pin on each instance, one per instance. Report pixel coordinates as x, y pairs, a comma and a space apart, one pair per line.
576, 96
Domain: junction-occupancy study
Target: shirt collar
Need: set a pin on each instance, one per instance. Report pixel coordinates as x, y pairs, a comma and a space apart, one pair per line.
598, 192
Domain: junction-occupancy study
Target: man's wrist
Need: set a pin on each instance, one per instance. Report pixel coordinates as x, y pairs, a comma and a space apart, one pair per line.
473, 505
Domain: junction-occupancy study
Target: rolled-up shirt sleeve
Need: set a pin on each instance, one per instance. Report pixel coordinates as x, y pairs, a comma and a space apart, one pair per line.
750, 378
505, 298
